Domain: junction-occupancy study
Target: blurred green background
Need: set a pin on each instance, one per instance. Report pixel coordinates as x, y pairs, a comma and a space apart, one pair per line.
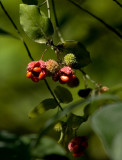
18, 95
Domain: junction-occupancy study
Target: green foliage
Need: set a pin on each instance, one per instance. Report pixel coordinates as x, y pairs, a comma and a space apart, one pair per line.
44, 148
45, 105
75, 121
63, 94
35, 24
78, 49
30, 2
107, 124
50, 123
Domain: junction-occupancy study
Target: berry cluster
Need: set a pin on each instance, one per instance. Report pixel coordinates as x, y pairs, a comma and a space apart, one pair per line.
78, 146
64, 75
38, 70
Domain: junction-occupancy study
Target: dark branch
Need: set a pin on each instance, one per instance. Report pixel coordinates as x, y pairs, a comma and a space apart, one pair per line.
118, 3
14, 25
99, 19
52, 94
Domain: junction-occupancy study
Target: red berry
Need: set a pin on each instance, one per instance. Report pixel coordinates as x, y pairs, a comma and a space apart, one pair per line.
62, 82
37, 69
35, 79
42, 75
72, 77
64, 78
29, 74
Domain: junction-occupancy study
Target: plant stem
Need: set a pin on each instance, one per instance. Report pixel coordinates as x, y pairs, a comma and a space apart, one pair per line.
56, 21
45, 52
48, 8
118, 3
14, 25
99, 19
52, 94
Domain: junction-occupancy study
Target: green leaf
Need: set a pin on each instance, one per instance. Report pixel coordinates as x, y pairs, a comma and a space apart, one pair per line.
44, 106
75, 121
51, 122
78, 49
35, 24
63, 94
107, 124
117, 147
47, 146
30, 2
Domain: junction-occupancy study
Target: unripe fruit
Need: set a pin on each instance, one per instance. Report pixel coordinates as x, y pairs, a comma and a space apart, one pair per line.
70, 59
104, 89
64, 78
52, 66
42, 75
37, 69
29, 74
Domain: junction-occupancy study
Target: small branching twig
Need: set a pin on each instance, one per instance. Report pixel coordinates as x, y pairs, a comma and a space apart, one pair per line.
118, 3
45, 51
87, 77
99, 19
56, 21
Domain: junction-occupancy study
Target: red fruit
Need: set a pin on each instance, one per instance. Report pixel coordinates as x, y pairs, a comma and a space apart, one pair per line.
72, 77
37, 69
64, 78
29, 74
42, 75
35, 79
66, 70
62, 82
78, 154
78, 145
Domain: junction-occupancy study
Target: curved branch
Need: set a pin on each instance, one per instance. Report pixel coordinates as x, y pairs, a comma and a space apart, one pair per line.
14, 25
99, 19
118, 3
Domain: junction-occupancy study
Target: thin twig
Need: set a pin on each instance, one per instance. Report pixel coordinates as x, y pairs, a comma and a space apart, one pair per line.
42, 3
56, 21
118, 3
99, 19
44, 52
87, 76
48, 8
52, 94
14, 25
